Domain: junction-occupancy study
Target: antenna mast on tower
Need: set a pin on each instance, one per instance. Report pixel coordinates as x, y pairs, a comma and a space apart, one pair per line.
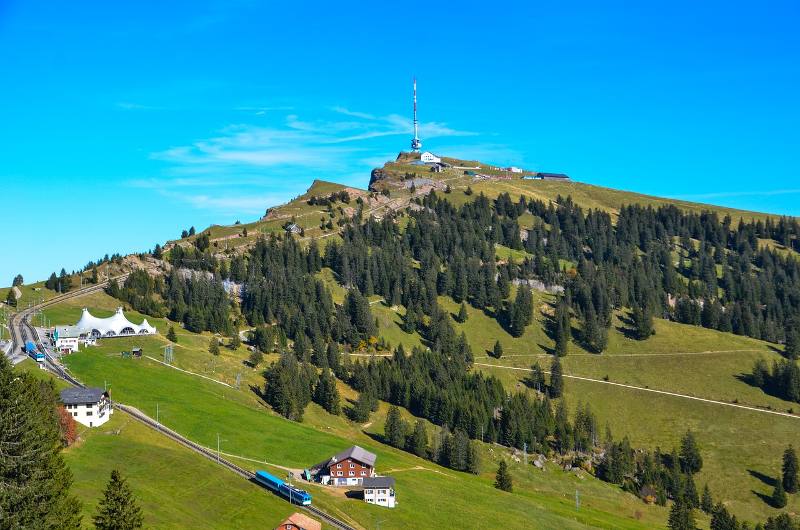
416, 143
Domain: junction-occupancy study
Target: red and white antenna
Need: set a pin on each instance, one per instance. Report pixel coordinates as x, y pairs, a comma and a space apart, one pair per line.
416, 143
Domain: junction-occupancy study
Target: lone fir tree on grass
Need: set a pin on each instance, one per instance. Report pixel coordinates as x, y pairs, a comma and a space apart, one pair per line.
118, 509
503, 480
690, 459
497, 351
171, 335
213, 346
789, 471
778, 498
556, 379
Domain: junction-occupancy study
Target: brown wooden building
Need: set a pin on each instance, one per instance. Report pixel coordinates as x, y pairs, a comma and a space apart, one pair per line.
348, 468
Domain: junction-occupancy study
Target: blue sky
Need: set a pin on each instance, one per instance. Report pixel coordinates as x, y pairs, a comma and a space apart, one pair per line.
123, 123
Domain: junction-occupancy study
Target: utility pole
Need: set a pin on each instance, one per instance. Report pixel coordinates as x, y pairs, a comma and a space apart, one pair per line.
218, 442
160, 422
577, 500
525, 452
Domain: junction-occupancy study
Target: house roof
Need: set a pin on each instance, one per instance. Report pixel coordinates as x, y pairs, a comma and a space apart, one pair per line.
68, 332
72, 396
552, 175
378, 482
355, 452
302, 521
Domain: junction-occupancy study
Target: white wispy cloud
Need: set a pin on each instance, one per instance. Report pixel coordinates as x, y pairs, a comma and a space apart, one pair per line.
246, 167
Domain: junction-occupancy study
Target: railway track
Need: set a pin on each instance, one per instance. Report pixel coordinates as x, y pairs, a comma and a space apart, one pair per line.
21, 326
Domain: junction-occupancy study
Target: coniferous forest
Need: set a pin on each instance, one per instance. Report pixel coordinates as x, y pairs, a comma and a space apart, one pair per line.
661, 262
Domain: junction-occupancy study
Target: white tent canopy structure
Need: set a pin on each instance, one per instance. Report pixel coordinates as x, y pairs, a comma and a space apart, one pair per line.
116, 325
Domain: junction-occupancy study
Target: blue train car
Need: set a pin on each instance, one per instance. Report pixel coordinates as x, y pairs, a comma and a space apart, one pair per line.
35, 354
292, 494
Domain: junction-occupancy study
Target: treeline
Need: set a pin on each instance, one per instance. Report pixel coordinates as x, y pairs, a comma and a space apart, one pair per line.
652, 475
341, 196
783, 380
197, 301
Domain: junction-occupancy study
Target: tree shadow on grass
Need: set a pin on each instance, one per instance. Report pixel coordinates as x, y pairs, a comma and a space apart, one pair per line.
766, 479
628, 327
766, 498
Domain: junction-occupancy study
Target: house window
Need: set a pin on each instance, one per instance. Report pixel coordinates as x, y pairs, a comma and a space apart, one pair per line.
363, 473
74, 413
338, 466
352, 465
340, 473
352, 473
88, 412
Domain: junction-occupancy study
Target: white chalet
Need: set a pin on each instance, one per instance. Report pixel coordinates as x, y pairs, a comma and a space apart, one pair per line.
379, 490
89, 406
429, 158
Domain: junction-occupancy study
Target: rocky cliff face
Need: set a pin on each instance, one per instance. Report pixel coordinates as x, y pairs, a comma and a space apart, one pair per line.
376, 175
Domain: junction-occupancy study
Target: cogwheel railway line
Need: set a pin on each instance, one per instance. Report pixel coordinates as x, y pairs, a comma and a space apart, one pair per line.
21, 329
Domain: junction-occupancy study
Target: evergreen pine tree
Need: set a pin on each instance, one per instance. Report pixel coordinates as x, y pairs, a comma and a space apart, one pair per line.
680, 516
778, 498
326, 394
118, 509
395, 428
171, 335
690, 492
236, 341
502, 480
642, 321
690, 459
11, 299
789, 470
256, 358
562, 328
521, 311
537, 377
792, 348
556, 379
418, 441
462, 313
497, 351
706, 501
213, 346
595, 335
34, 479
362, 408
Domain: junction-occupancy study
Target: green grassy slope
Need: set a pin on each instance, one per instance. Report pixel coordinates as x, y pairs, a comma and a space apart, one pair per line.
737, 444
176, 488
200, 409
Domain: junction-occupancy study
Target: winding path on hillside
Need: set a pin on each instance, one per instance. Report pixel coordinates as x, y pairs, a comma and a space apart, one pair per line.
645, 389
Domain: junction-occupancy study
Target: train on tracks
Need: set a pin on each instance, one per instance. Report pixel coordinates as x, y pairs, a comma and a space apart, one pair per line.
294, 495
33, 352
